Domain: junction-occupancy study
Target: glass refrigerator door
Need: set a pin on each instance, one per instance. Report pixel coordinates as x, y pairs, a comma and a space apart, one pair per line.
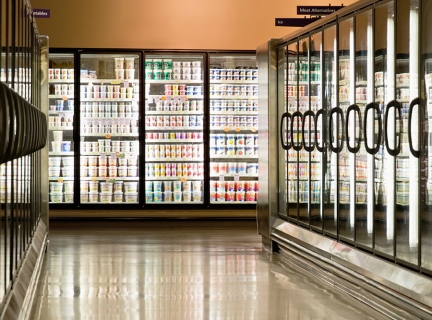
61, 144
426, 145
109, 96
233, 129
174, 145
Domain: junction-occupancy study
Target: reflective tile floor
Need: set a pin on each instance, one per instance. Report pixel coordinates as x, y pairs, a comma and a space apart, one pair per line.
178, 270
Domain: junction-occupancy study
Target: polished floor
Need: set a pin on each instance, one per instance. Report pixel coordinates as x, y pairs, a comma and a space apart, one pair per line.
171, 270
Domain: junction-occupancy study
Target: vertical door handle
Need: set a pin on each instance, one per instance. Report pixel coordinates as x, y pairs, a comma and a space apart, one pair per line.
310, 147
393, 104
415, 102
372, 106
287, 145
356, 147
338, 147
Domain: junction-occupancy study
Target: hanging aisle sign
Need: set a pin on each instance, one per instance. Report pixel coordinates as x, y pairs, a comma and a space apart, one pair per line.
314, 13
41, 13
317, 10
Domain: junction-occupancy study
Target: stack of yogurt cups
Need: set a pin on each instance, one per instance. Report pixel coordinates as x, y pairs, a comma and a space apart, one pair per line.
124, 68
64, 167
173, 191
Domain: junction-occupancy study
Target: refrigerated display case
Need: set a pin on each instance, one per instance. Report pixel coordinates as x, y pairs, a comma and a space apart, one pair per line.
109, 128
174, 128
61, 115
233, 99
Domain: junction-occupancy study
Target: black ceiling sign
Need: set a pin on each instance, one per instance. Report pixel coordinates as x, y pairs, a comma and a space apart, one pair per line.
294, 22
317, 10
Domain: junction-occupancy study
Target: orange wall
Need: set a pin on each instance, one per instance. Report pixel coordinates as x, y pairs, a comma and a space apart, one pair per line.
166, 24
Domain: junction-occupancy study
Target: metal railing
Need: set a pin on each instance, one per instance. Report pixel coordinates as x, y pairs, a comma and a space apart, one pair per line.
23, 131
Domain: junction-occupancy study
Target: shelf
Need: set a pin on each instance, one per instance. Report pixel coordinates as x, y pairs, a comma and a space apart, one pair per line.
61, 178
54, 96
109, 178
174, 81
303, 83
175, 159
70, 128
199, 178
60, 111
233, 202
107, 100
234, 81
109, 118
403, 85
61, 80
232, 157
344, 83
172, 128
174, 112
108, 81
361, 83
234, 97
111, 134
212, 113
173, 140
71, 153
106, 153
175, 202
189, 96
217, 175
226, 129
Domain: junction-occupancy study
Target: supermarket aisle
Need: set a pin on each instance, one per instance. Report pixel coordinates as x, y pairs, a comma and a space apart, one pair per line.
177, 270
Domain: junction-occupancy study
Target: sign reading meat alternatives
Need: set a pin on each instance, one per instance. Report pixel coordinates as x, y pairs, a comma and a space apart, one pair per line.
317, 10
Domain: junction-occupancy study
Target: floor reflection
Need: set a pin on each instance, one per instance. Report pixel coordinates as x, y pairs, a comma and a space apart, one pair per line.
179, 273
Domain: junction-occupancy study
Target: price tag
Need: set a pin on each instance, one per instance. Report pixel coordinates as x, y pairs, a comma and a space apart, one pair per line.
115, 81
226, 129
126, 84
183, 179
94, 179
64, 98
221, 178
60, 180
236, 178
108, 136
254, 129
237, 129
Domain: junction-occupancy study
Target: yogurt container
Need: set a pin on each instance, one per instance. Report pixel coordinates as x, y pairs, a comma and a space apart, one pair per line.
118, 196
68, 197
56, 187
105, 197
56, 198
130, 187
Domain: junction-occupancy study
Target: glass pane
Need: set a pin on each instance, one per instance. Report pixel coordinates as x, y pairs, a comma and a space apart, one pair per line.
284, 123
303, 132
384, 162
316, 157
109, 145
330, 76
293, 157
61, 143
233, 129
365, 174
407, 163
426, 191
346, 158
174, 148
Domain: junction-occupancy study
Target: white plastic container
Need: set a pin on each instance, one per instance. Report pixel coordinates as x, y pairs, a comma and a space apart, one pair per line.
132, 161
112, 172
131, 197
54, 171
84, 197
92, 161
54, 161
122, 171
130, 187
106, 187
94, 186
177, 196
132, 171
118, 196
92, 171
186, 196
122, 162
67, 171
105, 197
130, 63
84, 171
68, 161
196, 186
118, 186
68, 197
56, 187
196, 196
84, 186
68, 186
56, 198
56, 146
58, 135
93, 197
102, 172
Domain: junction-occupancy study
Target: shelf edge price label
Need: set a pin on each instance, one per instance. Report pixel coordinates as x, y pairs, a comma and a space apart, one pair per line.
115, 81
64, 98
183, 179
60, 180
94, 179
221, 178
108, 136
236, 178
237, 129
253, 129
226, 129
